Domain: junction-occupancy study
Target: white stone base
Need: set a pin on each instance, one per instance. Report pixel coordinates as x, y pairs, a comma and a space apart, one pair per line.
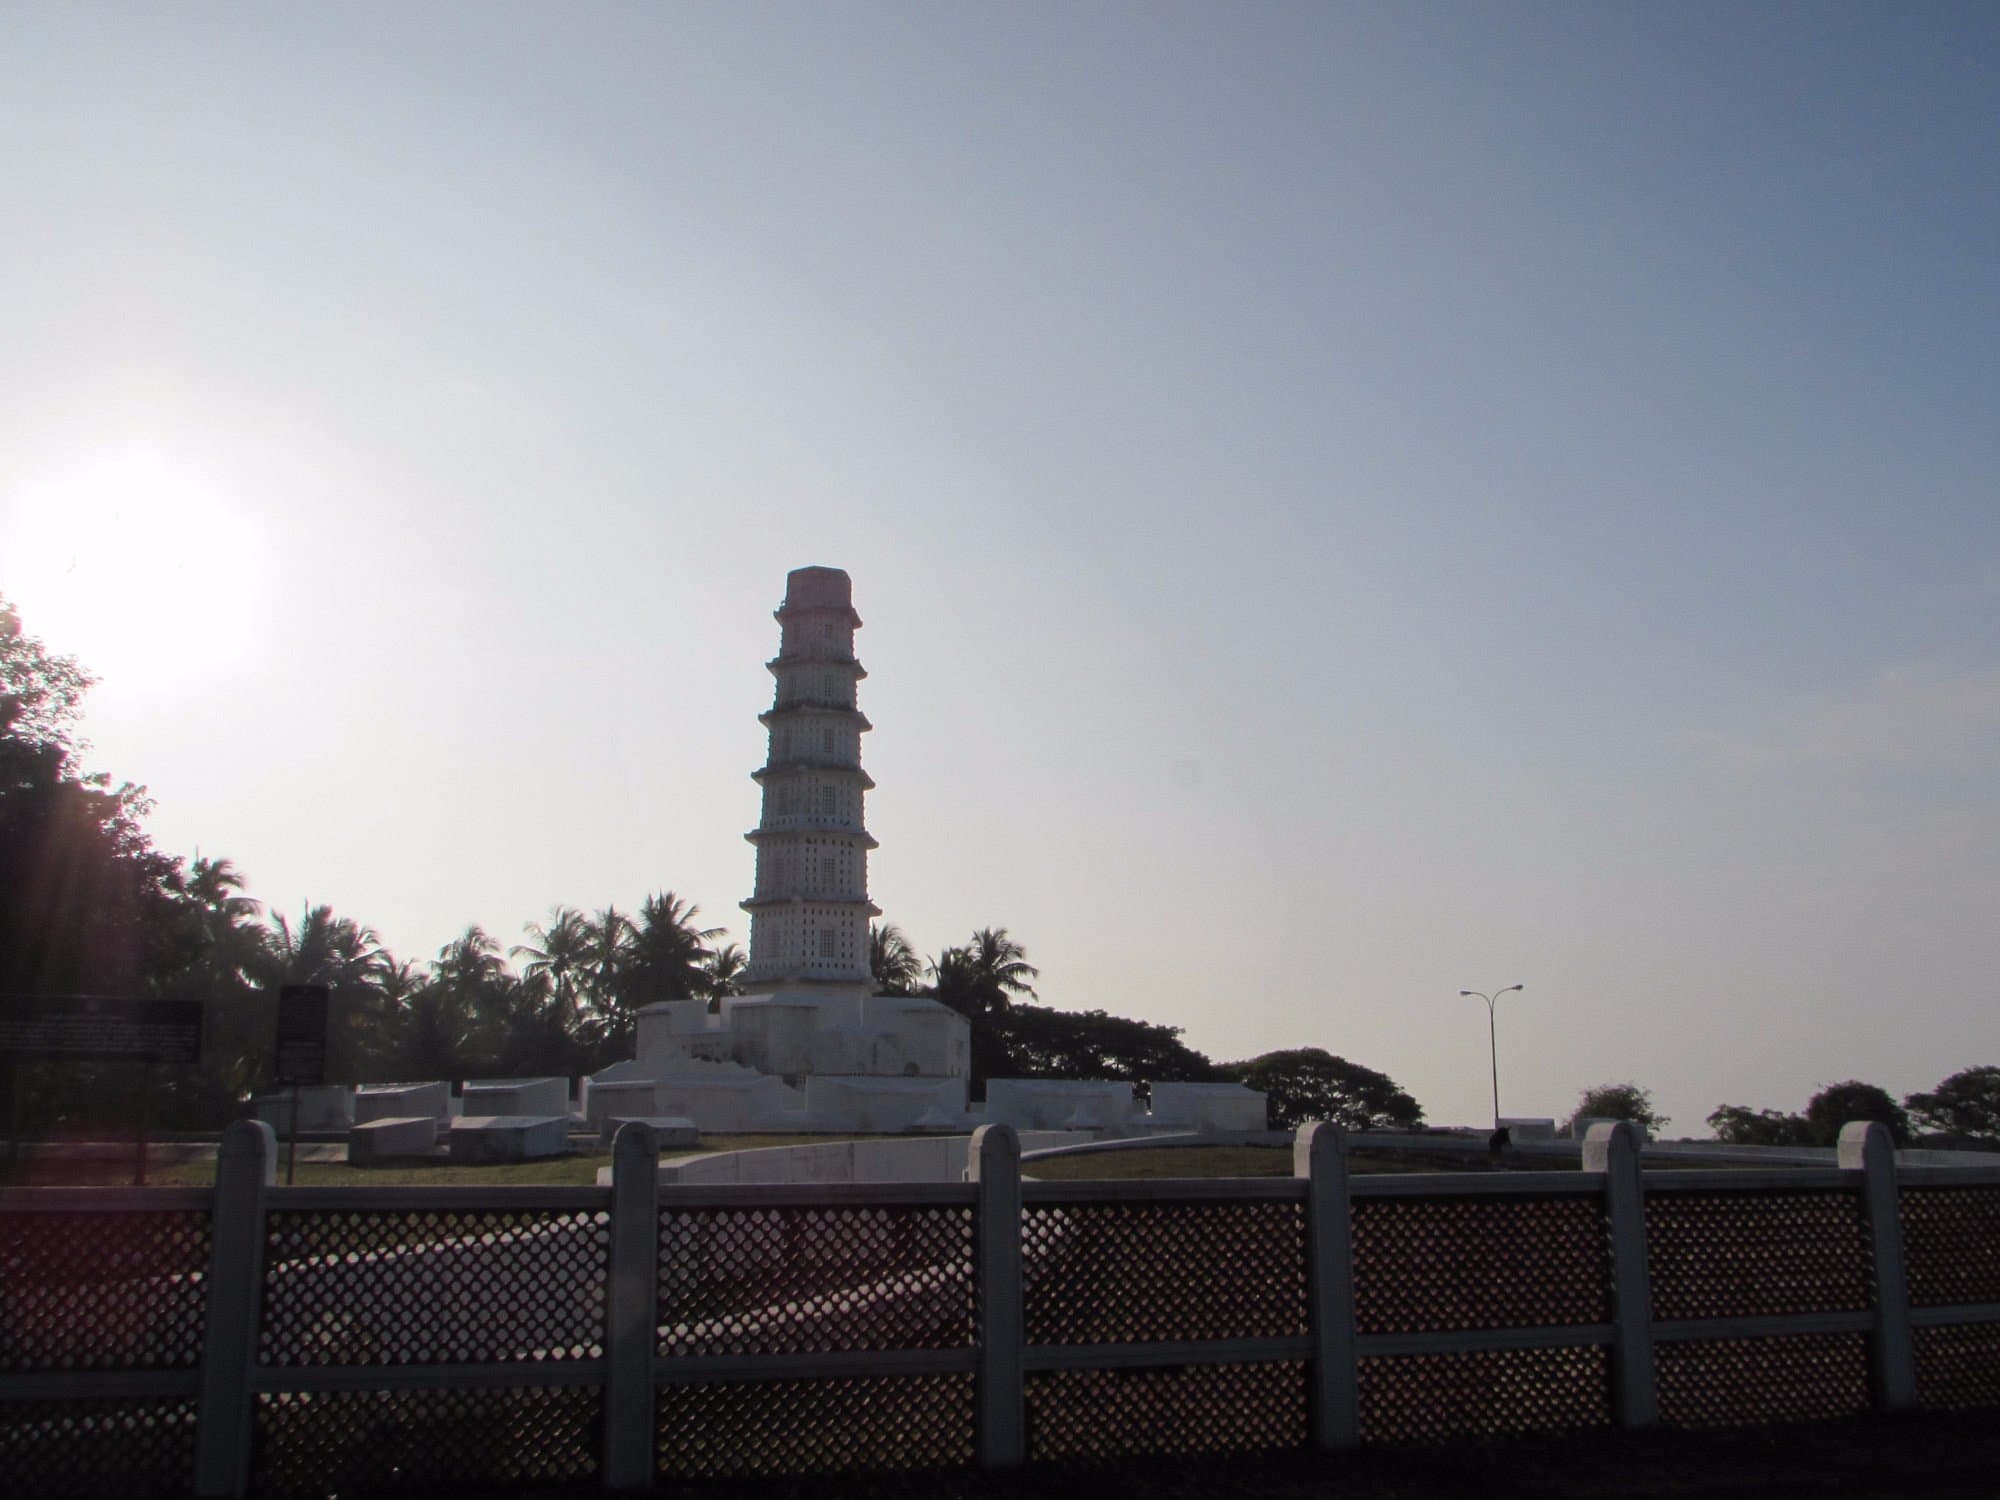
391, 1140
516, 1096
631, 1098
402, 1101
1058, 1103
1207, 1107
674, 1132
484, 1140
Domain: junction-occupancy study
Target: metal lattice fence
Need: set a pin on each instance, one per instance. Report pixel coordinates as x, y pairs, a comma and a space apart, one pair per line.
102, 1291
370, 1442
1756, 1254
791, 1280
1459, 1261
1958, 1367
1115, 1273
1951, 1236
98, 1445
369, 1287
357, 1340
819, 1425
1483, 1393
1180, 1409
1747, 1382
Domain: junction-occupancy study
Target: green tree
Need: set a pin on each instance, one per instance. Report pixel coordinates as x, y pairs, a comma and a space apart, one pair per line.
1036, 1042
87, 906
1739, 1125
1310, 1083
348, 959
1618, 1101
983, 977
1840, 1104
1967, 1103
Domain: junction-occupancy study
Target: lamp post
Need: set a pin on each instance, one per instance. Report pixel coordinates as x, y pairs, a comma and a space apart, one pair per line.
1493, 1040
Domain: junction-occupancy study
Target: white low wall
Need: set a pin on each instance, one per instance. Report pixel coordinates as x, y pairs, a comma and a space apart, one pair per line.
515, 1096
938, 1158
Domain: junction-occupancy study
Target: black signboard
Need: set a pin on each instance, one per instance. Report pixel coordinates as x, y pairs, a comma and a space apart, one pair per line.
302, 1034
97, 1028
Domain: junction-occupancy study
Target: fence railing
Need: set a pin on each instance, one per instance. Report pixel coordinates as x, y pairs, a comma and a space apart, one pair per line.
257, 1338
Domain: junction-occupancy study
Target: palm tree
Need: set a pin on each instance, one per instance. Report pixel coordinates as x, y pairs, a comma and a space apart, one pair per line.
1000, 965
322, 949
669, 952
349, 960
229, 939
608, 954
477, 984
982, 978
897, 966
725, 973
952, 983
560, 957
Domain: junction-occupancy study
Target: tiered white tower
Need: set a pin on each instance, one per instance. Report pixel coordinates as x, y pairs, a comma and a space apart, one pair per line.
810, 910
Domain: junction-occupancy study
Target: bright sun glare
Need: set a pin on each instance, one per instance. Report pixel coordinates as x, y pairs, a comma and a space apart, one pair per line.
134, 569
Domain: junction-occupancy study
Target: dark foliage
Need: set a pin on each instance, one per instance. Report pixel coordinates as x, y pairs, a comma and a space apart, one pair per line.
1310, 1083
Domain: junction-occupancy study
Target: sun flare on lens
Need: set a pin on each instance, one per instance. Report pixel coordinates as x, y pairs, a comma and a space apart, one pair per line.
134, 569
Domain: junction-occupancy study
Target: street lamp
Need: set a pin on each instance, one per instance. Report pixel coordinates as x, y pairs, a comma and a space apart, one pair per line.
1493, 1041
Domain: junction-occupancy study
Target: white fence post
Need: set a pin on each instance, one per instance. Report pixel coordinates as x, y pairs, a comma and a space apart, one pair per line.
1867, 1146
1000, 1402
1319, 1154
1612, 1148
632, 1309
246, 1164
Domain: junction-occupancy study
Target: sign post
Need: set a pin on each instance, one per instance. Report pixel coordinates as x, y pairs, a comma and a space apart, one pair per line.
301, 1058
97, 1028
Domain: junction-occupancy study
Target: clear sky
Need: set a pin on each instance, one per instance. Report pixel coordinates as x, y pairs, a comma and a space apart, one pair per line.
1349, 502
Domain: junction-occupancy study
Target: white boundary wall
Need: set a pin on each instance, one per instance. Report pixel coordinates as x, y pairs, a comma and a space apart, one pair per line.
898, 1159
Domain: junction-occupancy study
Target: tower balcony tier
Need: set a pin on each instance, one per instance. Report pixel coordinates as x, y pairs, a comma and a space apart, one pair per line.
818, 767
806, 659
765, 903
803, 830
800, 610
807, 707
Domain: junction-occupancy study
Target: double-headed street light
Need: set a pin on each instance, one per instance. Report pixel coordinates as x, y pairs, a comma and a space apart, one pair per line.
1493, 1041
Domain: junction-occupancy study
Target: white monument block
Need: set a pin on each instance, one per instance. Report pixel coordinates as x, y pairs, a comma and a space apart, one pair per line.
487, 1140
323, 1109
627, 1098
391, 1140
402, 1101
515, 1096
